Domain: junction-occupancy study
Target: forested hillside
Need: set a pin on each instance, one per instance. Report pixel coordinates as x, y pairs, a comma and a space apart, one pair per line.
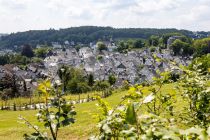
84, 34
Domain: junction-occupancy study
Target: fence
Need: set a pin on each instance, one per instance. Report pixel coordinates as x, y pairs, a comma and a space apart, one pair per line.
34, 103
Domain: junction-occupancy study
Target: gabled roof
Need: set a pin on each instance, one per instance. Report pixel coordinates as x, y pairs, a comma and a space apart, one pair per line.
121, 66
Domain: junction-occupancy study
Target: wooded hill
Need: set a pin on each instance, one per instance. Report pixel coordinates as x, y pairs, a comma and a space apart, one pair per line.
85, 35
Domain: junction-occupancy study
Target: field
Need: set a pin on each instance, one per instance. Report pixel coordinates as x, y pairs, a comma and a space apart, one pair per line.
85, 126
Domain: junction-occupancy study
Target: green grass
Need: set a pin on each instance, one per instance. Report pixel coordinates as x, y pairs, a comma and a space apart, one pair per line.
84, 127
85, 124
36, 99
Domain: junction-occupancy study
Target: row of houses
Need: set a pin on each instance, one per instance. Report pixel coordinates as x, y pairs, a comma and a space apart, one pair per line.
22, 80
135, 66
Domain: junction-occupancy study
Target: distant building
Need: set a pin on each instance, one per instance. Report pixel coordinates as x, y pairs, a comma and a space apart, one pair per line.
56, 45
111, 47
66, 42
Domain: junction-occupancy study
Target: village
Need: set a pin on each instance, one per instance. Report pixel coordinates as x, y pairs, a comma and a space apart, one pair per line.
104, 70
135, 66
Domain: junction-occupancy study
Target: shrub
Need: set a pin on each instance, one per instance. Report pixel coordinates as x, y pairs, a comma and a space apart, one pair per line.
112, 79
152, 49
147, 113
101, 85
125, 85
201, 46
78, 87
62, 115
202, 62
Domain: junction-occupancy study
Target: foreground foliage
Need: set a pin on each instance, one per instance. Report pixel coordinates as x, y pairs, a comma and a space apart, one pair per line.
151, 114
60, 114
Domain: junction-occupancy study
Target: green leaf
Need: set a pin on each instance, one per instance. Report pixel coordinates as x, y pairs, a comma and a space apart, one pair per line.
67, 122
131, 114
66, 108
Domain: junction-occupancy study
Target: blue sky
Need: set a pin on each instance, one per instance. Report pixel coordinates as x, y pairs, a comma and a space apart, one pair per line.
22, 15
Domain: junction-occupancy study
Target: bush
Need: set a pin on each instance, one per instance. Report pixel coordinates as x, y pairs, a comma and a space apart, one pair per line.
148, 113
203, 63
138, 44
78, 87
122, 46
83, 88
181, 48
201, 46
41, 52
152, 49
101, 46
27, 51
125, 85
112, 79
61, 115
99, 57
101, 85
37, 60
72, 86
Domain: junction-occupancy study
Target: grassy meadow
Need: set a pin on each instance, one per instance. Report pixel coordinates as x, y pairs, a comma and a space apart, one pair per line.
86, 120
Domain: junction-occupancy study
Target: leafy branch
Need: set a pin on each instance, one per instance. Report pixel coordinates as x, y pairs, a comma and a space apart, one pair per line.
56, 113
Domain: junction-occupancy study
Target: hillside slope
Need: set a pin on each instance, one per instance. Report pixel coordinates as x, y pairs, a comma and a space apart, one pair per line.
84, 34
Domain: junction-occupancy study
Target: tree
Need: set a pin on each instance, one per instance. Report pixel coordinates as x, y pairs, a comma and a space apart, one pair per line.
83, 87
112, 79
176, 46
9, 81
65, 75
101, 85
138, 44
75, 86
122, 46
203, 63
195, 88
101, 46
188, 50
27, 51
36, 60
202, 46
77, 47
72, 86
165, 37
152, 49
4, 59
85, 35
41, 52
90, 80
181, 48
19, 59
73, 79
62, 114
154, 40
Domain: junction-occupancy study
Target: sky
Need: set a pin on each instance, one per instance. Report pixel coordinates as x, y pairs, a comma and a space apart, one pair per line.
23, 15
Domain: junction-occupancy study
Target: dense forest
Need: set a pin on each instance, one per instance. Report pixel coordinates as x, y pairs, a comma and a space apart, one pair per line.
85, 35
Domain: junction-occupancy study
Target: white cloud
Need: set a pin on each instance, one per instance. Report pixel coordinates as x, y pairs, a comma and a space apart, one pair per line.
21, 15
152, 6
13, 4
